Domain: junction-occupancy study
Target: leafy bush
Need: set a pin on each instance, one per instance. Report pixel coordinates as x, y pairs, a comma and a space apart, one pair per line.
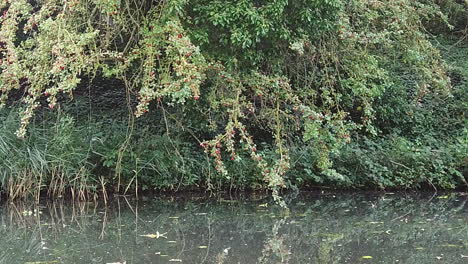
260, 86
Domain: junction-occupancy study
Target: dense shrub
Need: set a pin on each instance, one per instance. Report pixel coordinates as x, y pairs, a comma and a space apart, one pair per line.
260, 87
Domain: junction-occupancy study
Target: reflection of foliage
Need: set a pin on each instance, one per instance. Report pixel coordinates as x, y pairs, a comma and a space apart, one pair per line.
275, 246
323, 229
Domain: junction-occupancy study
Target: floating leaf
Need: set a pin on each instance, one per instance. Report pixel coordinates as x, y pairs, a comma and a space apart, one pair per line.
203, 247
443, 197
157, 235
366, 257
42, 262
452, 245
175, 260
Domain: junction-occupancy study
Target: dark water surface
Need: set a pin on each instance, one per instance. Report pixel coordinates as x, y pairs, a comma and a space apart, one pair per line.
320, 228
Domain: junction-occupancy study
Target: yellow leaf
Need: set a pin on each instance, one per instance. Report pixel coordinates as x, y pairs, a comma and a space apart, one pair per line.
149, 235
451, 245
157, 235
366, 257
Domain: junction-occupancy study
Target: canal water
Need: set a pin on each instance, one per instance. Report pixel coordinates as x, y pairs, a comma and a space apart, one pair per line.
318, 228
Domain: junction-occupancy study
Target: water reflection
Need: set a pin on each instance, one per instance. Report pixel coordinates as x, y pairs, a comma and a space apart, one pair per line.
329, 228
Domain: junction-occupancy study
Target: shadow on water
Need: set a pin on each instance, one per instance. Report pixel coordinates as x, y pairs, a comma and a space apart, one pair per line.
327, 228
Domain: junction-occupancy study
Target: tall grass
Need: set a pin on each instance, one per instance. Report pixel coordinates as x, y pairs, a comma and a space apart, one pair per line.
52, 158
61, 156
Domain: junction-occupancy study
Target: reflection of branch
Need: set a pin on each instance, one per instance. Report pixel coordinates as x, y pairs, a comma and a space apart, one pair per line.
209, 240
275, 245
221, 257
401, 216
119, 219
104, 224
183, 242
135, 212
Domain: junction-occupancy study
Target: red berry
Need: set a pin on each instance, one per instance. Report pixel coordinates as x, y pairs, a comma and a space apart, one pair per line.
196, 97
179, 36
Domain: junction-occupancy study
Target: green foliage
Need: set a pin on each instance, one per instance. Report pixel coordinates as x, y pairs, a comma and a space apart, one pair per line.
457, 15
423, 143
397, 162
53, 158
265, 86
248, 34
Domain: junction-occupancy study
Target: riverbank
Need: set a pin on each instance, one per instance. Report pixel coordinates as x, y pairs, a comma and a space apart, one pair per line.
352, 95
